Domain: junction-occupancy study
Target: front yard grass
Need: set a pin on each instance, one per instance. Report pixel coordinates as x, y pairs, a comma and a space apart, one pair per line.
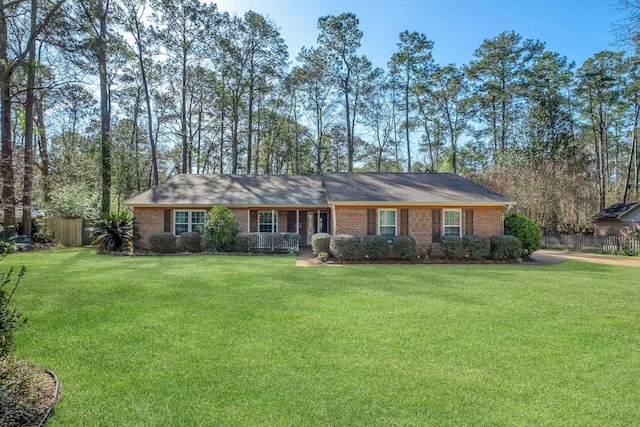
223, 340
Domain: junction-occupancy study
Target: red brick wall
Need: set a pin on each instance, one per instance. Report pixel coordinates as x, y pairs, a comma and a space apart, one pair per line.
243, 218
149, 221
353, 220
488, 221
420, 227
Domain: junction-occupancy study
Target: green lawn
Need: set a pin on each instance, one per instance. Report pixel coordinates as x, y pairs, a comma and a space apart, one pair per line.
221, 340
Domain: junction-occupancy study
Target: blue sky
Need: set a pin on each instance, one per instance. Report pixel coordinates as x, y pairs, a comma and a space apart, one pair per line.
576, 29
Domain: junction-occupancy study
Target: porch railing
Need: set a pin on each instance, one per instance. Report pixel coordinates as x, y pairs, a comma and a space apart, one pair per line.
272, 242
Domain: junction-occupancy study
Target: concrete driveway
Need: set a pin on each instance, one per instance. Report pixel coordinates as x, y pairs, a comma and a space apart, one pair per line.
544, 256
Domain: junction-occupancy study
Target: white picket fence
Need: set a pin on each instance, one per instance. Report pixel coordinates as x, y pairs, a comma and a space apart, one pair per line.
593, 244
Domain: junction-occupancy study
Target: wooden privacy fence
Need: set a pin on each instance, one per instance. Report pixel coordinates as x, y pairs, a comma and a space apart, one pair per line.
593, 244
69, 232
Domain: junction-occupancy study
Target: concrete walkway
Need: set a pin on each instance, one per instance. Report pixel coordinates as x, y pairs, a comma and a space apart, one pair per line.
306, 259
541, 257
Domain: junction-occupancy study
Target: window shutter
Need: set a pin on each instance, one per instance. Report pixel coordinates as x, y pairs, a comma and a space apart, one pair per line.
253, 221
436, 224
468, 222
167, 220
404, 222
371, 222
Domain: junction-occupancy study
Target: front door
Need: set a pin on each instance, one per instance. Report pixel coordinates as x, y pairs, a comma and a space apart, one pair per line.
317, 223
321, 223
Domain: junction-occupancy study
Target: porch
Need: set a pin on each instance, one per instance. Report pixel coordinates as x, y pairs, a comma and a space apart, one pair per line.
303, 223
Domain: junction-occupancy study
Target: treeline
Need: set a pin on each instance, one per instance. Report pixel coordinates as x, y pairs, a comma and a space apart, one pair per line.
103, 99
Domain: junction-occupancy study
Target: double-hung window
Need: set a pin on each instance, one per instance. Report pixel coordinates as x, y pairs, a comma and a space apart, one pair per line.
387, 223
187, 221
268, 222
452, 222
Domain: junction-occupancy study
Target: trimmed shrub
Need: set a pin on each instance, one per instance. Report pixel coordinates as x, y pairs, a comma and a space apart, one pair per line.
243, 243
162, 243
452, 247
405, 247
525, 230
320, 243
435, 252
190, 242
477, 247
345, 247
221, 229
375, 247
505, 247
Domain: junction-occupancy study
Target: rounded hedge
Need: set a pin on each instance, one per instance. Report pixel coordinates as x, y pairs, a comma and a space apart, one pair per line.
190, 242
452, 246
477, 247
345, 247
505, 247
320, 242
162, 243
525, 230
375, 247
405, 247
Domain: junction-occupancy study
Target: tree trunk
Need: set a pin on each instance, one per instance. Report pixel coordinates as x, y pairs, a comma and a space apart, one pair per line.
183, 123
105, 111
147, 98
406, 122
6, 162
43, 146
28, 132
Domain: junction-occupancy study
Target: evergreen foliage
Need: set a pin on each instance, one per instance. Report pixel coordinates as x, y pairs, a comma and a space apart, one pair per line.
525, 230
113, 232
221, 230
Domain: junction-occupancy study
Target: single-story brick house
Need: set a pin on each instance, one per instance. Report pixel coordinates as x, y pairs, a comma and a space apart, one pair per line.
424, 206
618, 220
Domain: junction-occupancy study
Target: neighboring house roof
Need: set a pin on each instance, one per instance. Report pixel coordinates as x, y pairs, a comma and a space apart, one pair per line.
236, 190
319, 191
407, 189
616, 212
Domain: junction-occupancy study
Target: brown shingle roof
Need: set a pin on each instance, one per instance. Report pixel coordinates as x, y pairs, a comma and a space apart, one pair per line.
297, 191
615, 212
407, 188
236, 190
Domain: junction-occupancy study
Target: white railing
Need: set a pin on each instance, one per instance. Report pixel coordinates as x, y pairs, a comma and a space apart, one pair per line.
273, 242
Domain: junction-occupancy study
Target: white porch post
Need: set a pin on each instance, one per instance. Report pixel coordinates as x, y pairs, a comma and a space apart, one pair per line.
248, 220
298, 222
274, 219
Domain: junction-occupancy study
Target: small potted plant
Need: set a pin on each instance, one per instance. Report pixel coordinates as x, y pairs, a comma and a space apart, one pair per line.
323, 256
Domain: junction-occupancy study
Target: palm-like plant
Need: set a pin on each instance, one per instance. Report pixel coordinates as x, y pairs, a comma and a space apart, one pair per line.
113, 232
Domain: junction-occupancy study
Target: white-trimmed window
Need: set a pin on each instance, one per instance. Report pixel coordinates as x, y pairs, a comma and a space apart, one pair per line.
387, 222
187, 221
452, 222
268, 222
